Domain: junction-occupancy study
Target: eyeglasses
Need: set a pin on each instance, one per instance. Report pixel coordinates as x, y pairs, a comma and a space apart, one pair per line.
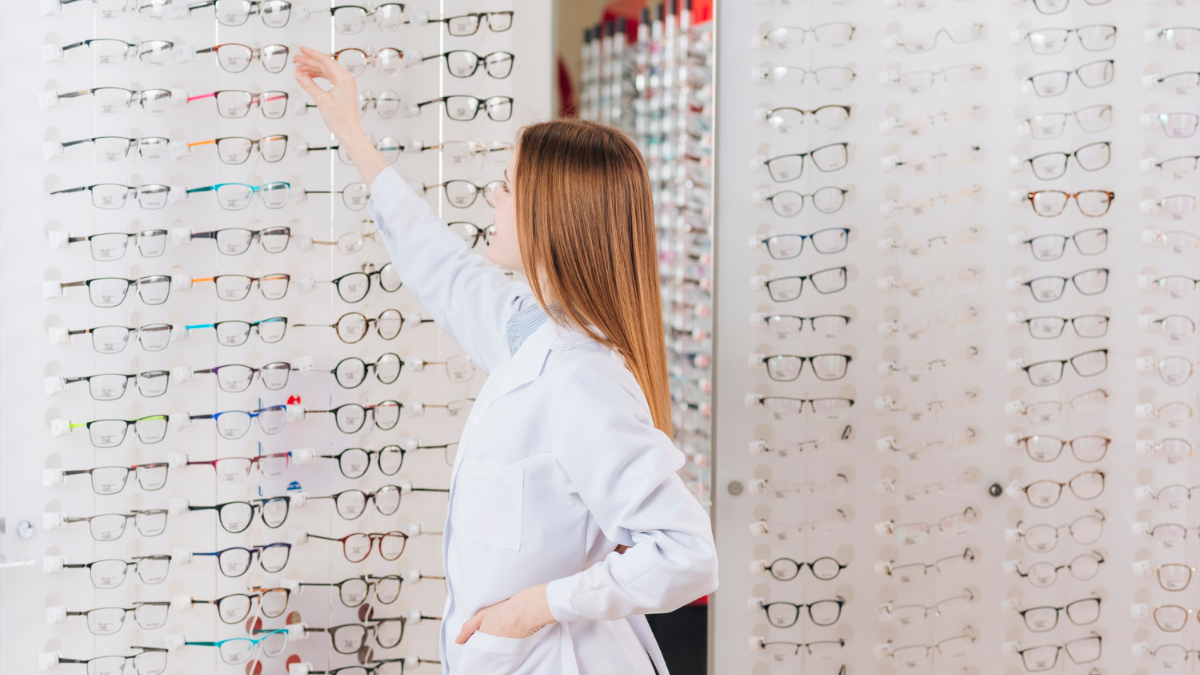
1166, 535
942, 160
233, 470
351, 637
110, 573
352, 504
109, 246
237, 196
1046, 412
110, 52
1181, 37
1084, 530
110, 480
237, 240
466, 108
235, 607
148, 661
1174, 449
464, 63
1175, 413
1174, 577
788, 119
1182, 83
111, 433
354, 286
1042, 448
1090, 157
1043, 574
235, 58
117, 148
352, 327
909, 534
918, 45
1051, 203
1054, 82
1092, 38
233, 424
787, 367
1170, 657
110, 526
790, 325
110, 620
1050, 327
1045, 657
1043, 494
112, 386
1174, 125
1178, 167
234, 333
463, 193
468, 24
1174, 370
235, 561
917, 81
237, 149
235, 517
789, 203
834, 34
352, 19
1085, 364
236, 103
112, 291
472, 233
787, 168
388, 146
354, 591
1058, 6
1176, 285
356, 547
235, 287
386, 103
786, 569
1080, 612
114, 195
388, 60
914, 572
1048, 126
919, 124
115, 100
354, 195
917, 451
459, 153
236, 651
821, 650
353, 242
821, 612
1050, 288
1174, 497
787, 289
956, 322
908, 615
783, 406
352, 372
354, 462
1177, 206
829, 78
350, 417
274, 13
451, 451
916, 656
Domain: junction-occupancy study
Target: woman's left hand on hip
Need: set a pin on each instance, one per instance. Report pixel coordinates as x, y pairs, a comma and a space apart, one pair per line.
517, 617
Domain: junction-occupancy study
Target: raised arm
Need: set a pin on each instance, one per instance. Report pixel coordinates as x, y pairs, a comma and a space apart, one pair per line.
468, 298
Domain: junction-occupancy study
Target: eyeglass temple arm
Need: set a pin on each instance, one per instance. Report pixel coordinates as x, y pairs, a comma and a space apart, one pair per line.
68, 191
416, 489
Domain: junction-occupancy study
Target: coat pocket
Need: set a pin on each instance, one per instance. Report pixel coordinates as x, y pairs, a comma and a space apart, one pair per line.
487, 503
485, 654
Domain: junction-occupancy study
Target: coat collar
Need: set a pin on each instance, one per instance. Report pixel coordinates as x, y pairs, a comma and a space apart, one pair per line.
530, 359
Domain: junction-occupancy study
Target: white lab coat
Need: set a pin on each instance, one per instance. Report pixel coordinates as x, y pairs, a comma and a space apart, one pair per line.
558, 463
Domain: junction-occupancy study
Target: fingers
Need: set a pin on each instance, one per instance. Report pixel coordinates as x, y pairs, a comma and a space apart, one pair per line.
326, 65
469, 627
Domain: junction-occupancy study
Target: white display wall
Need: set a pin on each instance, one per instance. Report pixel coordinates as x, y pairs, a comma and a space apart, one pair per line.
37, 634
934, 267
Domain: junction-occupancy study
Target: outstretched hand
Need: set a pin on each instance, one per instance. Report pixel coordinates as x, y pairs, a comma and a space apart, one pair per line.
338, 104
339, 108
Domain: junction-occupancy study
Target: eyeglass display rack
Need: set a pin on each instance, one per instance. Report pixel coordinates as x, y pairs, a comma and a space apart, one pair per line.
40, 595
657, 86
939, 337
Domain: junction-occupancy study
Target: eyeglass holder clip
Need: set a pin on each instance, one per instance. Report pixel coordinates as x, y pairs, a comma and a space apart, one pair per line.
1014, 365
1014, 489
48, 660
54, 385
757, 448
60, 427
183, 603
1139, 611
882, 651
1010, 648
419, 19
754, 603
1011, 567
52, 289
1147, 282
1149, 206
183, 53
1143, 493
886, 528
758, 528
1142, 568
52, 564
1140, 528
1149, 165
52, 149
174, 641
182, 556
1145, 448
303, 668
1146, 364
1010, 605
1150, 82
56, 614
48, 99
758, 163
55, 520
52, 477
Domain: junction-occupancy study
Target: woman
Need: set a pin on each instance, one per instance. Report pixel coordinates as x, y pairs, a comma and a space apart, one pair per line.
567, 522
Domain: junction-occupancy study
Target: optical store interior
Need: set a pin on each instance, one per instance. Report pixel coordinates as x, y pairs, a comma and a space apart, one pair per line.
929, 288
